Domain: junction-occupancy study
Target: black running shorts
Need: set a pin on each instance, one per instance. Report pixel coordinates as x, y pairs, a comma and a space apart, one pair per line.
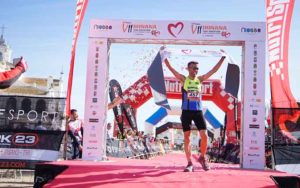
187, 116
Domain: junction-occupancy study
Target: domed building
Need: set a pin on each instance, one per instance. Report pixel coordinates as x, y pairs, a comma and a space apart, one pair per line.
5, 54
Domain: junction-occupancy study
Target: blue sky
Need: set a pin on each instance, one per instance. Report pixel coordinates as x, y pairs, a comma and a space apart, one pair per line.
42, 31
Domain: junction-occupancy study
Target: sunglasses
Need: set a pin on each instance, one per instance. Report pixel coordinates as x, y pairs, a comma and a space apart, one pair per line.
195, 68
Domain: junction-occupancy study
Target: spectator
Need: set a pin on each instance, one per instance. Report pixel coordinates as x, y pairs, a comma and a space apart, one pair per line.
75, 131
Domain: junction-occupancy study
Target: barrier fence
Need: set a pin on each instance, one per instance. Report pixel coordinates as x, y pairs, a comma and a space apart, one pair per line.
134, 148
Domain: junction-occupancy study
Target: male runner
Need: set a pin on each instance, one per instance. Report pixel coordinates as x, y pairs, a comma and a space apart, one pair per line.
192, 109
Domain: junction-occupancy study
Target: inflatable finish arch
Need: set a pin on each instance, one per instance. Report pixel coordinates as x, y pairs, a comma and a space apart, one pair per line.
212, 90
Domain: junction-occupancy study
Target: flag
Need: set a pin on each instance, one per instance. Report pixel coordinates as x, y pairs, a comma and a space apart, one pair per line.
80, 9
157, 82
279, 14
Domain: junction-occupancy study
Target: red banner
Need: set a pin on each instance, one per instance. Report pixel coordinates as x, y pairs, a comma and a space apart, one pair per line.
80, 9
279, 14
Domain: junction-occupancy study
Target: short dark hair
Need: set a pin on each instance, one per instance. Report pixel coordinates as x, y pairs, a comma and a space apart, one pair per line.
73, 111
192, 63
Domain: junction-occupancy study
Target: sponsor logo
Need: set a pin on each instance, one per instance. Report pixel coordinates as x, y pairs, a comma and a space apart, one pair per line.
253, 134
254, 126
253, 155
19, 139
102, 27
94, 106
155, 33
10, 164
254, 119
93, 135
196, 28
276, 16
186, 51
98, 42
252, 162
174, 86
250, 30
254, 112
254, 148
256, 100
5, 139
225, 34
32, 115
140, 29
175, 29
92, 148
25, 139
210, 30
93, 120
93, 141
253, 141
254, 105
255, 59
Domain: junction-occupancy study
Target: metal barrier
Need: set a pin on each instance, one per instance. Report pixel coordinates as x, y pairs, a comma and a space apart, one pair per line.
136, 148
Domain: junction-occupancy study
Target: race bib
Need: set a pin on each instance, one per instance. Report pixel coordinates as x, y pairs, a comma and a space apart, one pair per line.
193, 95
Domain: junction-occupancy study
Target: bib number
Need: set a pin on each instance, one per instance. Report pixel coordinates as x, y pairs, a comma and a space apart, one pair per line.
193, 95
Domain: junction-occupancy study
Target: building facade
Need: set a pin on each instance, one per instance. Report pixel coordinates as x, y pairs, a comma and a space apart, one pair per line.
30, 101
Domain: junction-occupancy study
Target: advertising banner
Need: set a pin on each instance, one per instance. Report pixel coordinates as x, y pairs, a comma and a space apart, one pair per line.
23, 149
31, 130
96, 100
279, 15
253, 124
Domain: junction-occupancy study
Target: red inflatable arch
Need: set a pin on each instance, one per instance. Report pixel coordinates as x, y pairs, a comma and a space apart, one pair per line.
140, 92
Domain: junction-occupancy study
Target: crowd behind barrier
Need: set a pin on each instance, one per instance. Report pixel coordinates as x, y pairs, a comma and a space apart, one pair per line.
224, 154
230, 153
136, 148
140, 147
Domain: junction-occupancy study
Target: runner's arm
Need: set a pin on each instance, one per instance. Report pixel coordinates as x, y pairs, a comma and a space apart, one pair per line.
212, 71
115, 102
174, 72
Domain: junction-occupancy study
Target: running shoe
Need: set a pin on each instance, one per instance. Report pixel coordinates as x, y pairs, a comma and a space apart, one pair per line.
204, 163
189, 168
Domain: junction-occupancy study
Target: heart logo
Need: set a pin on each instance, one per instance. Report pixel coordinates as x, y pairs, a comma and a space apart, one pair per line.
186, 51
175, 29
